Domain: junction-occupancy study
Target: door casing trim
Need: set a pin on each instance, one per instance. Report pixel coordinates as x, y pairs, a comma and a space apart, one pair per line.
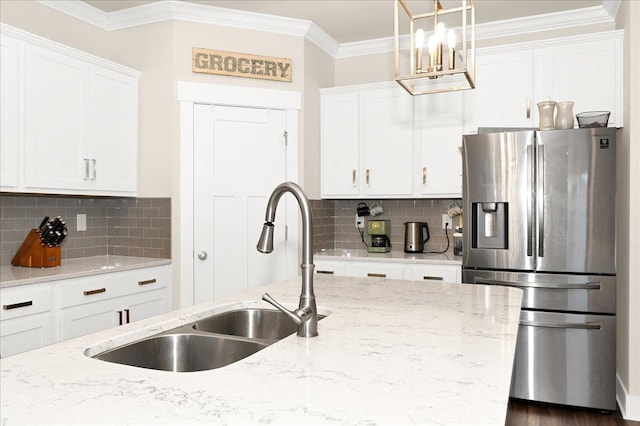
190, 93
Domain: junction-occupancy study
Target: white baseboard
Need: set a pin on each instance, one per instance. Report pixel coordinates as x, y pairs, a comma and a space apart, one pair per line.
629, 404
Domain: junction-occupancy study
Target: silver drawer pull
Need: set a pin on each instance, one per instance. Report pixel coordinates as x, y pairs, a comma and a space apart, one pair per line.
428, 277
591, 285
17, 305
151, 281
325, 272
579, 325
96, 291
374, 275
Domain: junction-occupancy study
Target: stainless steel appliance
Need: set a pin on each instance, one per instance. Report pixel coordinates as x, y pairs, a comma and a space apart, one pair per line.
416, 234
379, 230
540, 215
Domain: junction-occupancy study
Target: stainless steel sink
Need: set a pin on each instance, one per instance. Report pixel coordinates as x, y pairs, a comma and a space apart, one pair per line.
182, 352
206, 344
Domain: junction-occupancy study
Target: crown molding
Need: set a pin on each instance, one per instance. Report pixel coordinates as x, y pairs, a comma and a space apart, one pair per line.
191, 12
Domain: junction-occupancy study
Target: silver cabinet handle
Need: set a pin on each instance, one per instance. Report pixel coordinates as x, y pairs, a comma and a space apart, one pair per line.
146, 282
93, 168
17, 305
428, 277
424, 175
528, 107
579, 325
202, 255
353, 178
367, 177
319, 271
86, 169
376, 275
96, 291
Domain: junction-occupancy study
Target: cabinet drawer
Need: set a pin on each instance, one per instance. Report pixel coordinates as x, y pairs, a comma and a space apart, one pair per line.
19, 302
375, 270
107, 286
434, 272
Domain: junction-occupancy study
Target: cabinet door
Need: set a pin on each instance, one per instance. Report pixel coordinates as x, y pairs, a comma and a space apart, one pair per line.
340, 145
25, 334
9, 155
55, 110
439, 133
113, 131
89, 318
586, 73
375, 270
386, 135
146, 305
504, 93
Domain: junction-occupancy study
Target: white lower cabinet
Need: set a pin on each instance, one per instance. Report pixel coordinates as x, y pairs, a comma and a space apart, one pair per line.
393, 270
101, 302
25, 319
36, 315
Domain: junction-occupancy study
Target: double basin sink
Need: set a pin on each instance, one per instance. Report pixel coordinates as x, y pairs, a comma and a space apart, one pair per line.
206, 344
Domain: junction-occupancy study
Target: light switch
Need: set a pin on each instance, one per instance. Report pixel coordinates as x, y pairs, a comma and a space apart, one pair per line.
81, 222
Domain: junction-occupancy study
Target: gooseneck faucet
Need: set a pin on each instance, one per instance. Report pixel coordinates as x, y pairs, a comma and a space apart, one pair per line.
306, 316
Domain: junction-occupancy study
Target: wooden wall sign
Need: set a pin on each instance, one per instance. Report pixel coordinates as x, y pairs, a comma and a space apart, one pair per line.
241, 65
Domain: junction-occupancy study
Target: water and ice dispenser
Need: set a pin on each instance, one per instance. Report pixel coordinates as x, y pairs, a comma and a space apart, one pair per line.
490, 227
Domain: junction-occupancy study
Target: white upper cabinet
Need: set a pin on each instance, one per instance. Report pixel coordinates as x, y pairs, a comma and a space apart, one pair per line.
587, 73
77, 120
367, 142
9, 59
438, 172
504, 93
386, 133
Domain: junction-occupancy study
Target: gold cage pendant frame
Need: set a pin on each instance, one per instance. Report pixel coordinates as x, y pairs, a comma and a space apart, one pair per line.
436, 76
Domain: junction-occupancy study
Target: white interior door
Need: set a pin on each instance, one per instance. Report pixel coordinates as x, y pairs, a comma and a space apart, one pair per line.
239, 158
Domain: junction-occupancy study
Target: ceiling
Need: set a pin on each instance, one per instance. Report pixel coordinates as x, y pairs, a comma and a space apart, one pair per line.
357, 20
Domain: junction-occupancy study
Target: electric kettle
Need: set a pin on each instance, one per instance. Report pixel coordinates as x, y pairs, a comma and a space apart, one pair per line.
416, 234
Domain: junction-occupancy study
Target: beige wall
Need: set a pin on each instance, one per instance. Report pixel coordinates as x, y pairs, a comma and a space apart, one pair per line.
628, 249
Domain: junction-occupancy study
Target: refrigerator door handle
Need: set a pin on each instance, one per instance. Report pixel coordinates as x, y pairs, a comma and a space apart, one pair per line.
540, 199
578, 325
530, 200
579, 286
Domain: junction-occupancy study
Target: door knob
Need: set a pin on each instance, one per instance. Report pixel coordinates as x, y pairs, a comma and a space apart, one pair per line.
202, 255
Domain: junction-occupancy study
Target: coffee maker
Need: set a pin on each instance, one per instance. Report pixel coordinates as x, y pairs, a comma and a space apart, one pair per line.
379, 230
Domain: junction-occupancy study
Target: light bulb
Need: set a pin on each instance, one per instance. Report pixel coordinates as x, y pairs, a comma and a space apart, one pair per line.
440, 32
419, 38
432, 44
451, 39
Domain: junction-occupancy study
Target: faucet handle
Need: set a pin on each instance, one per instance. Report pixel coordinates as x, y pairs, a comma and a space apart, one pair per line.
298, 316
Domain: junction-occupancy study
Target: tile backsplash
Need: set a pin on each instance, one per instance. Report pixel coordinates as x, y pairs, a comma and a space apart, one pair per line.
117, 226
334, 222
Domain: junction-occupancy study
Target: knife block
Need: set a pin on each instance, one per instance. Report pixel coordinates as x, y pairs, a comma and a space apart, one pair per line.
34, 255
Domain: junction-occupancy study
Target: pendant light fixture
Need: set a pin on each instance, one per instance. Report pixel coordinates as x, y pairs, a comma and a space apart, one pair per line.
445, 64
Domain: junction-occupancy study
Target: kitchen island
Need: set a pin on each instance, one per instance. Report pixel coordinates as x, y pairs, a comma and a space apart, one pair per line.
389, 352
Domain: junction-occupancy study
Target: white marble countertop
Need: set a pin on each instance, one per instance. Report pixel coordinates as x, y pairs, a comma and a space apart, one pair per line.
11, 276
392, 256
390, 352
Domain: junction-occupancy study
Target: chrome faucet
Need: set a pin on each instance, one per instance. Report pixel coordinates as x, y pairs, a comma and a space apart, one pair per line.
306, 316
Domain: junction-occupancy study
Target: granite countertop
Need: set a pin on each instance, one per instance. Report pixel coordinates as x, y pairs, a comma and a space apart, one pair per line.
11, 276
389, 352
392, 256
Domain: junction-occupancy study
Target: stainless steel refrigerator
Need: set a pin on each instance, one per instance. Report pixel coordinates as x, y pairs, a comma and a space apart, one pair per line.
539, 214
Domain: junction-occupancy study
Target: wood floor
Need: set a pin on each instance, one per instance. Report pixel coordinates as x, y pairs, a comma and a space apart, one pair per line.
523, 413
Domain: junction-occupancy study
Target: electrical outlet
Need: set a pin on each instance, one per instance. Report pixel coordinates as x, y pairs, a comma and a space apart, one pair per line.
446, 221
81, 222
359, 222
